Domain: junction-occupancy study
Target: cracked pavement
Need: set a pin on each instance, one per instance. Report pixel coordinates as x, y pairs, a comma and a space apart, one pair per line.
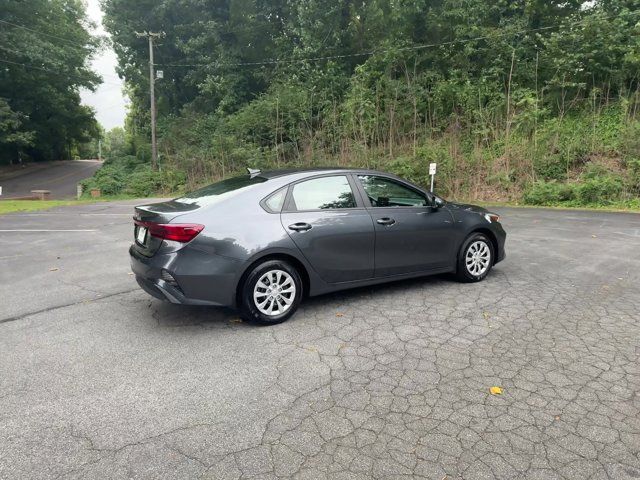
99, 380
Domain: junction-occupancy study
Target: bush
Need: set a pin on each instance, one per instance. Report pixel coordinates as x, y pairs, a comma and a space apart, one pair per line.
129, 175
597, 187
549, 193
551, 168
633, 183
600, 190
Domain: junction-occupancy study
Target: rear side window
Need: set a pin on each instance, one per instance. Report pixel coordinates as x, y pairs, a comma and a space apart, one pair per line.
323, 193
220, 190
275, 201
384, 192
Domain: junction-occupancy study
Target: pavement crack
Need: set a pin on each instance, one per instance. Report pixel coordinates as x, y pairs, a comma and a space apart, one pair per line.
70, 304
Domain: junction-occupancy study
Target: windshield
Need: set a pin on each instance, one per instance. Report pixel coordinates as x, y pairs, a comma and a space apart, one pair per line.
219, 191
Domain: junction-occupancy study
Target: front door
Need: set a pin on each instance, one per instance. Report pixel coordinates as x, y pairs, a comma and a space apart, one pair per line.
411, 236
333, 232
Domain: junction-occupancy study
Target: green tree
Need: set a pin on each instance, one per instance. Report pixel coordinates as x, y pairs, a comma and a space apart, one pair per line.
502, 93
45, 48
12, 137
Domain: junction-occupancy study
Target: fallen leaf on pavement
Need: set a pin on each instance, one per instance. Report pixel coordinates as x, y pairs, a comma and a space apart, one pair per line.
339, 314
54, 269
495, 391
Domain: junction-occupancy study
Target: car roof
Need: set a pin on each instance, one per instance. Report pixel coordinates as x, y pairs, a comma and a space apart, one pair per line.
313, 170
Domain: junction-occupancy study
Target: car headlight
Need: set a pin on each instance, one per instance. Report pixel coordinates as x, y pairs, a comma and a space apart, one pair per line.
492, 217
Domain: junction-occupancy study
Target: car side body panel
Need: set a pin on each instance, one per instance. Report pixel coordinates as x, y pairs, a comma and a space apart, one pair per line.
339, 245
417, 241
239, 232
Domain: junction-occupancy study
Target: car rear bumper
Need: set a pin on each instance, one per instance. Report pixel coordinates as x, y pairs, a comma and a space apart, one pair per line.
206, 283
162, 290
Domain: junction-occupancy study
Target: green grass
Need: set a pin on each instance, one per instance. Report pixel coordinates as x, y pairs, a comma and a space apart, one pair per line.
9, 206
632, 207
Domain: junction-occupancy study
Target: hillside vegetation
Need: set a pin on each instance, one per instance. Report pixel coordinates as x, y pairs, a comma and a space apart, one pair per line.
533, 101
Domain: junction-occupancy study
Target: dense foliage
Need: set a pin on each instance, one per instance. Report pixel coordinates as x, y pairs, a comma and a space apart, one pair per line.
45, 46
512, 98
128, 175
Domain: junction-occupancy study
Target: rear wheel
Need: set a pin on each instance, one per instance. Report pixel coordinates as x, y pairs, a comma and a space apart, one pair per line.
271, 293
475, 259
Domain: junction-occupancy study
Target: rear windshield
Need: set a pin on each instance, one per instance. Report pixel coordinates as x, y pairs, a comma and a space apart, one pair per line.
219, 191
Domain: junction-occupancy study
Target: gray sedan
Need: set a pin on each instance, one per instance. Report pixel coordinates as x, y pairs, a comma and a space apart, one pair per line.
262, 241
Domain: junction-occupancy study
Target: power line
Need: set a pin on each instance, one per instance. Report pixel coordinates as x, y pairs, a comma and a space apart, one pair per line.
16, 52
69, 41
10, 50
115, 105
371, 52
273, 61
35, 67
345, 55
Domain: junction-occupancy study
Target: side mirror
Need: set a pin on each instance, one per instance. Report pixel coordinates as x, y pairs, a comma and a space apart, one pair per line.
437, 202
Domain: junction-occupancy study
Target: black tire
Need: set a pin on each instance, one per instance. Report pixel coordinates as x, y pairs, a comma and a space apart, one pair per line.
249, 309
463, 272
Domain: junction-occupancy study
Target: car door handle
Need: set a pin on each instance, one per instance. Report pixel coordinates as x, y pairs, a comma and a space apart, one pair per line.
300, 227
386, 221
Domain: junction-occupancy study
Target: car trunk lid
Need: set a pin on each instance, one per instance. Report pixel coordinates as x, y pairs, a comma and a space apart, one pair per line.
157, 213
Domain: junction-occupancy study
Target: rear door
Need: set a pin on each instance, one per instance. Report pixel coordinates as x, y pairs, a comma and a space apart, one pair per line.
327, 221
411, 236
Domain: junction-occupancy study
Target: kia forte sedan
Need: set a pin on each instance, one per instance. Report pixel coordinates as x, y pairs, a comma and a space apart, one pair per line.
261, 242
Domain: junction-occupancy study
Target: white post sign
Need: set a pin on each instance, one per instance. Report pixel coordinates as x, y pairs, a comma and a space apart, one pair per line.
432, 172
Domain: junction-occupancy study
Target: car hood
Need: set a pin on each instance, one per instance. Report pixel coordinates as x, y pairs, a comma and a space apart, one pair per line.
467, 207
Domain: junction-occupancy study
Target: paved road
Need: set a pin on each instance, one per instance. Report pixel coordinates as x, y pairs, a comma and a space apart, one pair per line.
97, 380
60, 177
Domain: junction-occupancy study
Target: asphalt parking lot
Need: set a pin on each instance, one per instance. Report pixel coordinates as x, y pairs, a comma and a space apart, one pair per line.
60, 178
98, 380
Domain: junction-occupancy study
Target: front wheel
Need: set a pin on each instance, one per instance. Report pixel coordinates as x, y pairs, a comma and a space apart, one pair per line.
271, 293
475, 259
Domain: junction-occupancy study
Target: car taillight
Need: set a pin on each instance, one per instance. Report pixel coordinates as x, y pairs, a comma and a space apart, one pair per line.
178, 232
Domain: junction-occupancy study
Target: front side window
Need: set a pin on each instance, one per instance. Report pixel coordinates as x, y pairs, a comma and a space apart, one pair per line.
323, 193
384, 192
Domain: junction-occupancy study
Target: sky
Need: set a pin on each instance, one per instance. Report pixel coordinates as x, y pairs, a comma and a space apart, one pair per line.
108, 100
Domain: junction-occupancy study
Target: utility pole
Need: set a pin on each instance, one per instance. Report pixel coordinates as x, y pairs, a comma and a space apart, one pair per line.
100, 150
152, 80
